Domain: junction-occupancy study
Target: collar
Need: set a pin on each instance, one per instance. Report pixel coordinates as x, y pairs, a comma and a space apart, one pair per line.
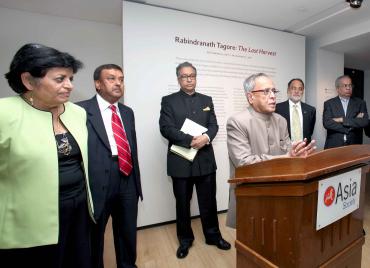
103, 104
265, 117
186, 94
291, 104
342, 99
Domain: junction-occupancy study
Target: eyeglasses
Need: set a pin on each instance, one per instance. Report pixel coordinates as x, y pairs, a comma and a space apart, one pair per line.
267, 91
186, 77
347, 85
297, 88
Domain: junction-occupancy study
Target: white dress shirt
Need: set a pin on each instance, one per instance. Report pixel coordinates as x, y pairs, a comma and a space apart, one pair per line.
344, 102
106, 113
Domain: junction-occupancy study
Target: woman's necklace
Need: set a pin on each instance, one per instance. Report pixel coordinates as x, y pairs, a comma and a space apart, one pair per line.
64, 147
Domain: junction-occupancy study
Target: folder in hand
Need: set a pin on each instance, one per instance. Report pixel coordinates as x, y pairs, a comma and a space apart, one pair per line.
186, 153
191, 128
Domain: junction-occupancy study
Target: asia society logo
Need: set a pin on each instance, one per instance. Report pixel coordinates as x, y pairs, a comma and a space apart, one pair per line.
344, 194
329, 196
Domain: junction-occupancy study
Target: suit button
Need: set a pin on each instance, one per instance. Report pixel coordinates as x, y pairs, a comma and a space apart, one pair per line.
194, 112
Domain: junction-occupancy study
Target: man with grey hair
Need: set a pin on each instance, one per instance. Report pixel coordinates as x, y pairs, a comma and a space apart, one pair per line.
344, 116
258, 134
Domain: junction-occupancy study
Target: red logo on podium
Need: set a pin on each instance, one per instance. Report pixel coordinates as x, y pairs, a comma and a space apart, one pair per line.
329, 196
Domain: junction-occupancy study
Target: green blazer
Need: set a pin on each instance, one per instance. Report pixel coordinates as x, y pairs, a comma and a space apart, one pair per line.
29, 176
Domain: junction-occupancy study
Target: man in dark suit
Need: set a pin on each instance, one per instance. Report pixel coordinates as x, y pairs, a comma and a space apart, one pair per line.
306, 113
113, 166
201, 172
344, 116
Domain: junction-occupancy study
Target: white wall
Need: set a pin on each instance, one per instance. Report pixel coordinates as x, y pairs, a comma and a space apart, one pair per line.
221, 71
92, 43
323, 67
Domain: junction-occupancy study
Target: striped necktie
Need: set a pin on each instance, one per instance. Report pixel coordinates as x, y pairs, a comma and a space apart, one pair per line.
123, 147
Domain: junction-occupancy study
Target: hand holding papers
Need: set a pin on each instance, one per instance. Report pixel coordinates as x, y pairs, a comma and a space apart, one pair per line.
186, 153
191, 128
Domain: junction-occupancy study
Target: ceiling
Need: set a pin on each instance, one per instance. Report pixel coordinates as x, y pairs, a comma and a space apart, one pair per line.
313, 18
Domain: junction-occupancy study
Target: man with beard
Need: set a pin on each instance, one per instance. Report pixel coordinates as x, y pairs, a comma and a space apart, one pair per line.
300, 116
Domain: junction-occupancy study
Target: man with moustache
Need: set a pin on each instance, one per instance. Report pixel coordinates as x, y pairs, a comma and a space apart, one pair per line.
344, 116
113, 166
201, 172
258, 134
300, 116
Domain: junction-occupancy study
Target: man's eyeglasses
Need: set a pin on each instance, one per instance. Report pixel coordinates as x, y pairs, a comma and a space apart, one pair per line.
186, 77
297, 88
347, 85
267, 91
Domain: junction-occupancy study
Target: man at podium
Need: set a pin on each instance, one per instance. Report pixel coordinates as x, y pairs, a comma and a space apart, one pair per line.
258, 133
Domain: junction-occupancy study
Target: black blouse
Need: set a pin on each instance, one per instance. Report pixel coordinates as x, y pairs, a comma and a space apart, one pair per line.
71, 175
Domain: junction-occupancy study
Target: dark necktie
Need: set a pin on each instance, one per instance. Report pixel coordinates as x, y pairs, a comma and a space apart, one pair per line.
123, 147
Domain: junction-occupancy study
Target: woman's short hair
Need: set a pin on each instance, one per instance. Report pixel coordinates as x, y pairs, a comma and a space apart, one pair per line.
37, 59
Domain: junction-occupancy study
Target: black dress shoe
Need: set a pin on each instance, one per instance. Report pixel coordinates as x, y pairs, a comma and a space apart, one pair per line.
221, 244
182, 251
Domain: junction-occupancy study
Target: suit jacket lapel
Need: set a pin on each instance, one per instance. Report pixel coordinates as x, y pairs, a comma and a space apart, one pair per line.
350, 107
339, 107
305, 117
286, 112
96, 120
126, 123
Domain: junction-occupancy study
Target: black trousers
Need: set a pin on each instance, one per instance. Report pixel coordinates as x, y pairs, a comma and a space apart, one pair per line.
74, 245
206, 193
122, 204
73, 249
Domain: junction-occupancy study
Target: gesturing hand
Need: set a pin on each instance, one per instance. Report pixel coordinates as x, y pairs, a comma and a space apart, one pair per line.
300, 149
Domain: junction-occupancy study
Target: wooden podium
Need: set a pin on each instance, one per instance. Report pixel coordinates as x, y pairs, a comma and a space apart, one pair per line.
276, 212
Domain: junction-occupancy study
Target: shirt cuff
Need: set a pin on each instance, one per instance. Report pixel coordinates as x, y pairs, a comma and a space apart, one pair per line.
209, 140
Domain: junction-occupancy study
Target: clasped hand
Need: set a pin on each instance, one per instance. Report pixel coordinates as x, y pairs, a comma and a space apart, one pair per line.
199, 141
300, 149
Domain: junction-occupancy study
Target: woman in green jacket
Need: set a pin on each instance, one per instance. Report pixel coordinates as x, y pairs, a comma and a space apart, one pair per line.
45, 198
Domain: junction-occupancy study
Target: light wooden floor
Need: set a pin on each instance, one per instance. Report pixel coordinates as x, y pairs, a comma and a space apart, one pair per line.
157, 246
